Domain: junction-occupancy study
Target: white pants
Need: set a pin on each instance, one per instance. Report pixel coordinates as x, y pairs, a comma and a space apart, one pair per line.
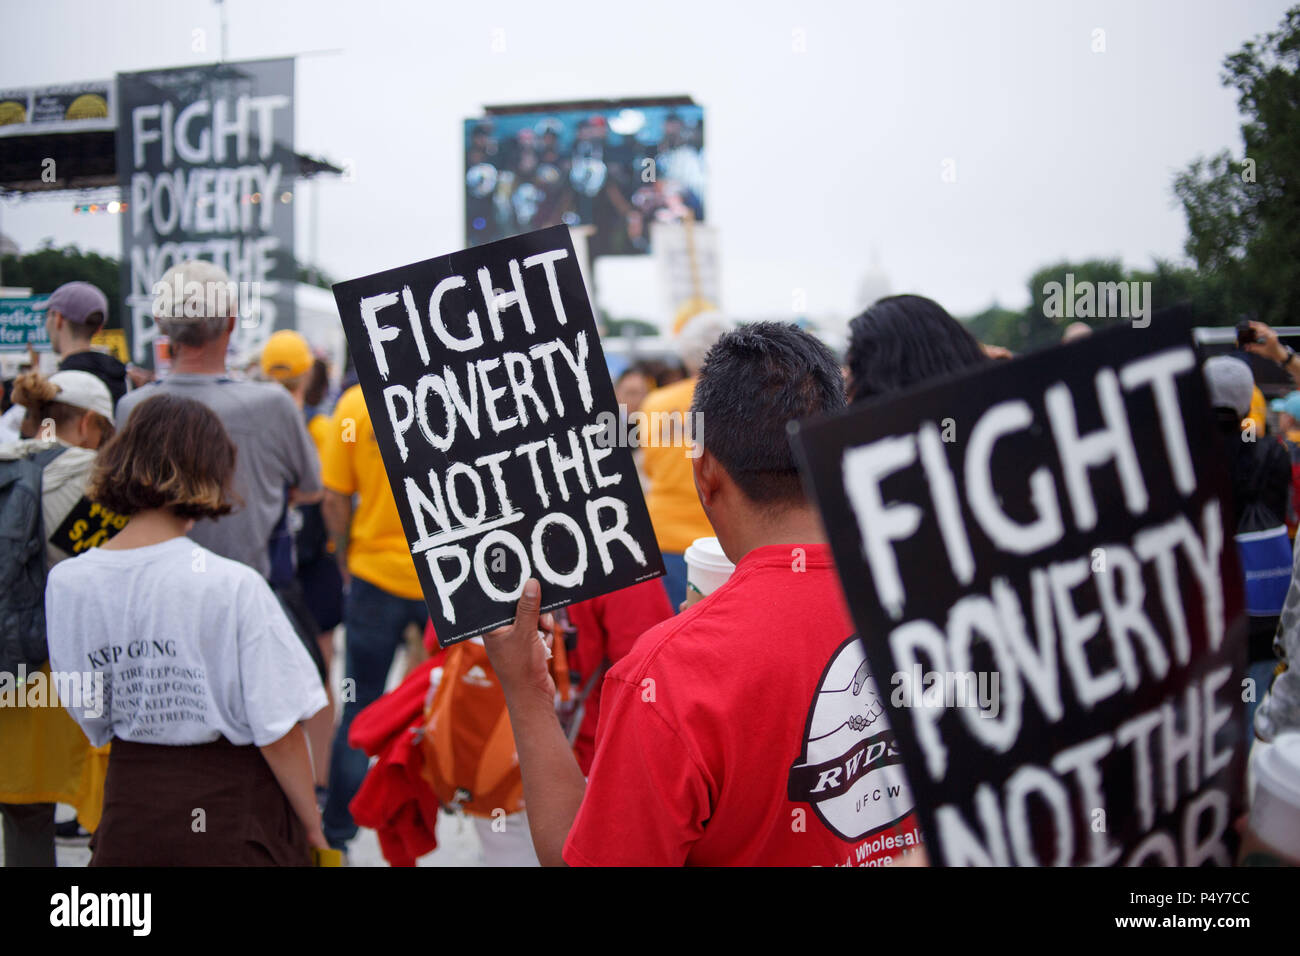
506, 840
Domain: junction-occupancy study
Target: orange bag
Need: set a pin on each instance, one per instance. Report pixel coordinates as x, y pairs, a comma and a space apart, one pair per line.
469, 750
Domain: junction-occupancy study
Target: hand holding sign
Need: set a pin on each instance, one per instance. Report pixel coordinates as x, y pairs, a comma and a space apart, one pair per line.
484, 376
518, 653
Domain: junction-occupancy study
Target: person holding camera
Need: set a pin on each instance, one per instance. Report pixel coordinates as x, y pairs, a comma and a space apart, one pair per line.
1258, 339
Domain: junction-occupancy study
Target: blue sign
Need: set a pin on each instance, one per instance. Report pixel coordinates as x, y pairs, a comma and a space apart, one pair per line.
22, 323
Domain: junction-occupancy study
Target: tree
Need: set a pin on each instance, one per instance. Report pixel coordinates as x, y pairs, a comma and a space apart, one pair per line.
629, 327
48, 268
1243, 214
999, 326
1044, 324
311, 275
1202, 292
1045, 320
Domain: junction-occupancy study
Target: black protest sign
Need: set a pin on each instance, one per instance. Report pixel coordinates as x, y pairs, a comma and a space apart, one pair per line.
88, 525
1037, 557
206, 163
493, 408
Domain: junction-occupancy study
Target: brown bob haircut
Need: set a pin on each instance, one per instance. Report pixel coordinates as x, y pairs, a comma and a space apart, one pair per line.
173, 453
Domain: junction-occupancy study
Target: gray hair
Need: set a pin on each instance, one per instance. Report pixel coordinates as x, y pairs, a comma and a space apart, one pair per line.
194, 302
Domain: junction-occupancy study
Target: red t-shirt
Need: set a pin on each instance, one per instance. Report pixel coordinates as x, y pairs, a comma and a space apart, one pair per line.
608, 625
747, 731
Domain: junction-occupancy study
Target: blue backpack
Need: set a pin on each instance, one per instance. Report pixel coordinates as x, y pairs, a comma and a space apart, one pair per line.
1265, 550
22, 562
1266, 564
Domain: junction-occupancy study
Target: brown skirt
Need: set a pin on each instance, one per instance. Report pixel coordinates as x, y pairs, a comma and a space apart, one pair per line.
204, 805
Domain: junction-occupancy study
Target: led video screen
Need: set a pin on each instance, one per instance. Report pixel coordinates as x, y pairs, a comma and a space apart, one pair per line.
617, 169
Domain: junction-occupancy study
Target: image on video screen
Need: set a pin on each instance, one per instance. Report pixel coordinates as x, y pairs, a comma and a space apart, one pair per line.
617, 170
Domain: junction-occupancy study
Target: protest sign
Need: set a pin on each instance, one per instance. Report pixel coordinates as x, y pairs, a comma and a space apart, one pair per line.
205, 159
491, 403
112, 341
88, 525
22, 323
1037, 558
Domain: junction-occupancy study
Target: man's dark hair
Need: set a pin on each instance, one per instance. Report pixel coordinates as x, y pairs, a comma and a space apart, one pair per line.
318, 383
754, 381
661, 372
903, 340
86, 329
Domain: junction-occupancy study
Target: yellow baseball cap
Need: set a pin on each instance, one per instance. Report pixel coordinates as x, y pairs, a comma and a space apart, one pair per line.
286, 355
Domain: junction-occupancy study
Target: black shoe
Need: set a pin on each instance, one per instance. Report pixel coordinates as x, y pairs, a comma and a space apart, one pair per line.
71, 832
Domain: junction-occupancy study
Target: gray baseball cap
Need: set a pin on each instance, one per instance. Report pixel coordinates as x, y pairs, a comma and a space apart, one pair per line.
1230, 382
76, 301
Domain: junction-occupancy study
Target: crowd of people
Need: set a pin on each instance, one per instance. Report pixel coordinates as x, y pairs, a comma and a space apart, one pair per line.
248, 524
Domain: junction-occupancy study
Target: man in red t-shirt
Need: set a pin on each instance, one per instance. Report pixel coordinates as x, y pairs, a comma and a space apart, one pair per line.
747, 730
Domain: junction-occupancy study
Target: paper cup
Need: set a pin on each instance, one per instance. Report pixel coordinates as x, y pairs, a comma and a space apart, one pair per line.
1275, 812
707, 568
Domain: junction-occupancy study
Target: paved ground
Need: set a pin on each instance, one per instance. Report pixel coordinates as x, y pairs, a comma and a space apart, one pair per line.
458, 845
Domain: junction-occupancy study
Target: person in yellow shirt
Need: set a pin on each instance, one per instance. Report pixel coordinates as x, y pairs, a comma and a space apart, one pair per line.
287, 358
383, 593
671, 498
1258, 411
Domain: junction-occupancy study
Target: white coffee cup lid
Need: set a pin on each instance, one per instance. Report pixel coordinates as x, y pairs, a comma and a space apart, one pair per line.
708, 553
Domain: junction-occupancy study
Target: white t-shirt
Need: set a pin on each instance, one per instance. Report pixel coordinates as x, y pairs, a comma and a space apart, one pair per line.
192, 647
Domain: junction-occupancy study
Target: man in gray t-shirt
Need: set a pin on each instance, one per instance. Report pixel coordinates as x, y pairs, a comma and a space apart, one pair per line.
274, 450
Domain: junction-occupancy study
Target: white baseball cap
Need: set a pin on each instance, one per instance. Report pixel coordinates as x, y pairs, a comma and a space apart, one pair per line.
84, 391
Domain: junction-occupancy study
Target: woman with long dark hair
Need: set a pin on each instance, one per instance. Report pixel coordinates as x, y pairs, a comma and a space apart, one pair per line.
903, 340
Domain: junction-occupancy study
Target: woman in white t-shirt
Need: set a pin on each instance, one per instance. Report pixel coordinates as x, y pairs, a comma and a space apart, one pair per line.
192, 669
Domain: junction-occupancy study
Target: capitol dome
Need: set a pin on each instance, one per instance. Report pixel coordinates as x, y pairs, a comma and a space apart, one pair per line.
874, 284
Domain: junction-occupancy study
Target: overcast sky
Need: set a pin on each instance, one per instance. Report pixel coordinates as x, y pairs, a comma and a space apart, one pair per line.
816, 158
